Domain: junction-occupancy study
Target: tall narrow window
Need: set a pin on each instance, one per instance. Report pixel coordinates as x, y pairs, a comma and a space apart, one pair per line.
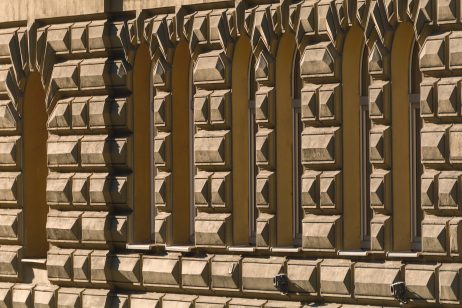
252, 164
192, 169
297, 166
416, 166
365, 127
35, 169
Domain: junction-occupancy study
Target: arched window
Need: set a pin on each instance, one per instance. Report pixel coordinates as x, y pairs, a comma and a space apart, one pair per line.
365, 127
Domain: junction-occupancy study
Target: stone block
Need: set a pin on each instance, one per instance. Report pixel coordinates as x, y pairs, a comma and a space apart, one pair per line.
6, 294
258, 273
211, 302
10, 188
428, 96
106, 190
309, 102
70, 297
320, 60
265, 235
58, 38
380, 145
10, 262
178, 301
381, 190
163, 228
212, 69
202, 189
105, 111
247, 303
79, 38
100, 267
321, 146
368, 286
379, 61
59, 265
434, 144
212, 148
381, 233
8, 116
336, 278
100, 228
447, 11
380, 100
104, 35
163, 110
330, 103
64, 227
79, 113
81, 265
448, 190
65, 76
455, 144
146, 300
226, 272
434, 235
105, 151
455, 45
220, 187
433, 53
265, 105
11, 152
59, 189
11, 225
195, 272
23, 295
321, 233
103, 73
448, 104
126, 269
163, 190
80, 189
264, 68
63, 151
330, 190
213, 229
265, 190
303, 276
421, 282
310, 189
60, 118
97, 298
212, 108
455, 236
429, 189
163, 150
45, 296
450, 282
265, 147
161, 270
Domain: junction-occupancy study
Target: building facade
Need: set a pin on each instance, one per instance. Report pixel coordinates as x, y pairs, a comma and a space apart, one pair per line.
230, 153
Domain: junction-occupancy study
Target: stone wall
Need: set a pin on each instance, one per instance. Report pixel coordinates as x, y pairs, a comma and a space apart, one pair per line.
338, 207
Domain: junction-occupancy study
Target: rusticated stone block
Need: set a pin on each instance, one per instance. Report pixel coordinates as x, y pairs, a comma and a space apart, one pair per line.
211, 302
447, 97
309, 102
329, 100
265, 105
103, 73
126, 268
58, 38
23, 295
10, 188
100, 267
106, 190
330, 190
434, 144
195, 272
212, 69
81, 265
105, 35
283, 304
98, 298
450, 282
225, 272
380, 189
146, 300
212, 148
202, 189
336, 278
433, 53
163, 190
161, 270
381, 233
64, 227
11, 225
45, 296
379, 100
455, 39
428, 106
265, 234
380, 145
70, 297
247, 303
213, 229
303, 276
321, 146
265, 147
65, 76
8, 116
429, 189
100, 227
434, 235
163, 228
447, 11
105, 111
212, 108
421, 282
258, 273
163, 110
163, 150
448, 190
10, 262
11, 152
80, 189
455, 236
366, 283
79, 38
59, 189
321, 232
104, 151
264, 68
265, 189
178, 301
310, 189
59, 265
63, 151
202, 107
320, 60
79, 113
6, 294
221, 189
379, 61
455, 144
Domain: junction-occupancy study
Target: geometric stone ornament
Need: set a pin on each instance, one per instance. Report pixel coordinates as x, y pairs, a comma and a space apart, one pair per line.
163, 190
202, 189
329, 99
321, 146
447, 11
64, 227
330, 191
336, 278
303, 276
162, 150
434, 144
455, 236
11, 225
265, 189
434, 235
212, 69
448, 190
59, 265
195, 272
258, 273
381, 233
447, 101
45, 296
380, 145
126, 269
265, 105
455, 144
450, 283
428, 98
265, 147
380, 190
455, 48
433, 53
213, 230
421, 282
212, 148
81, 265
309, 102
225, 272
429, 189
265, 230
162, 270
10, 264
379, 100
319, 60
366, 283
321, 233
310, 189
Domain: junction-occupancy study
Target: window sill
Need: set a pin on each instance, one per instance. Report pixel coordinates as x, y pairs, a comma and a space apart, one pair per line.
241, 249
353, 253
286, 249
403, 254
185, 248
140, 247
36, 261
